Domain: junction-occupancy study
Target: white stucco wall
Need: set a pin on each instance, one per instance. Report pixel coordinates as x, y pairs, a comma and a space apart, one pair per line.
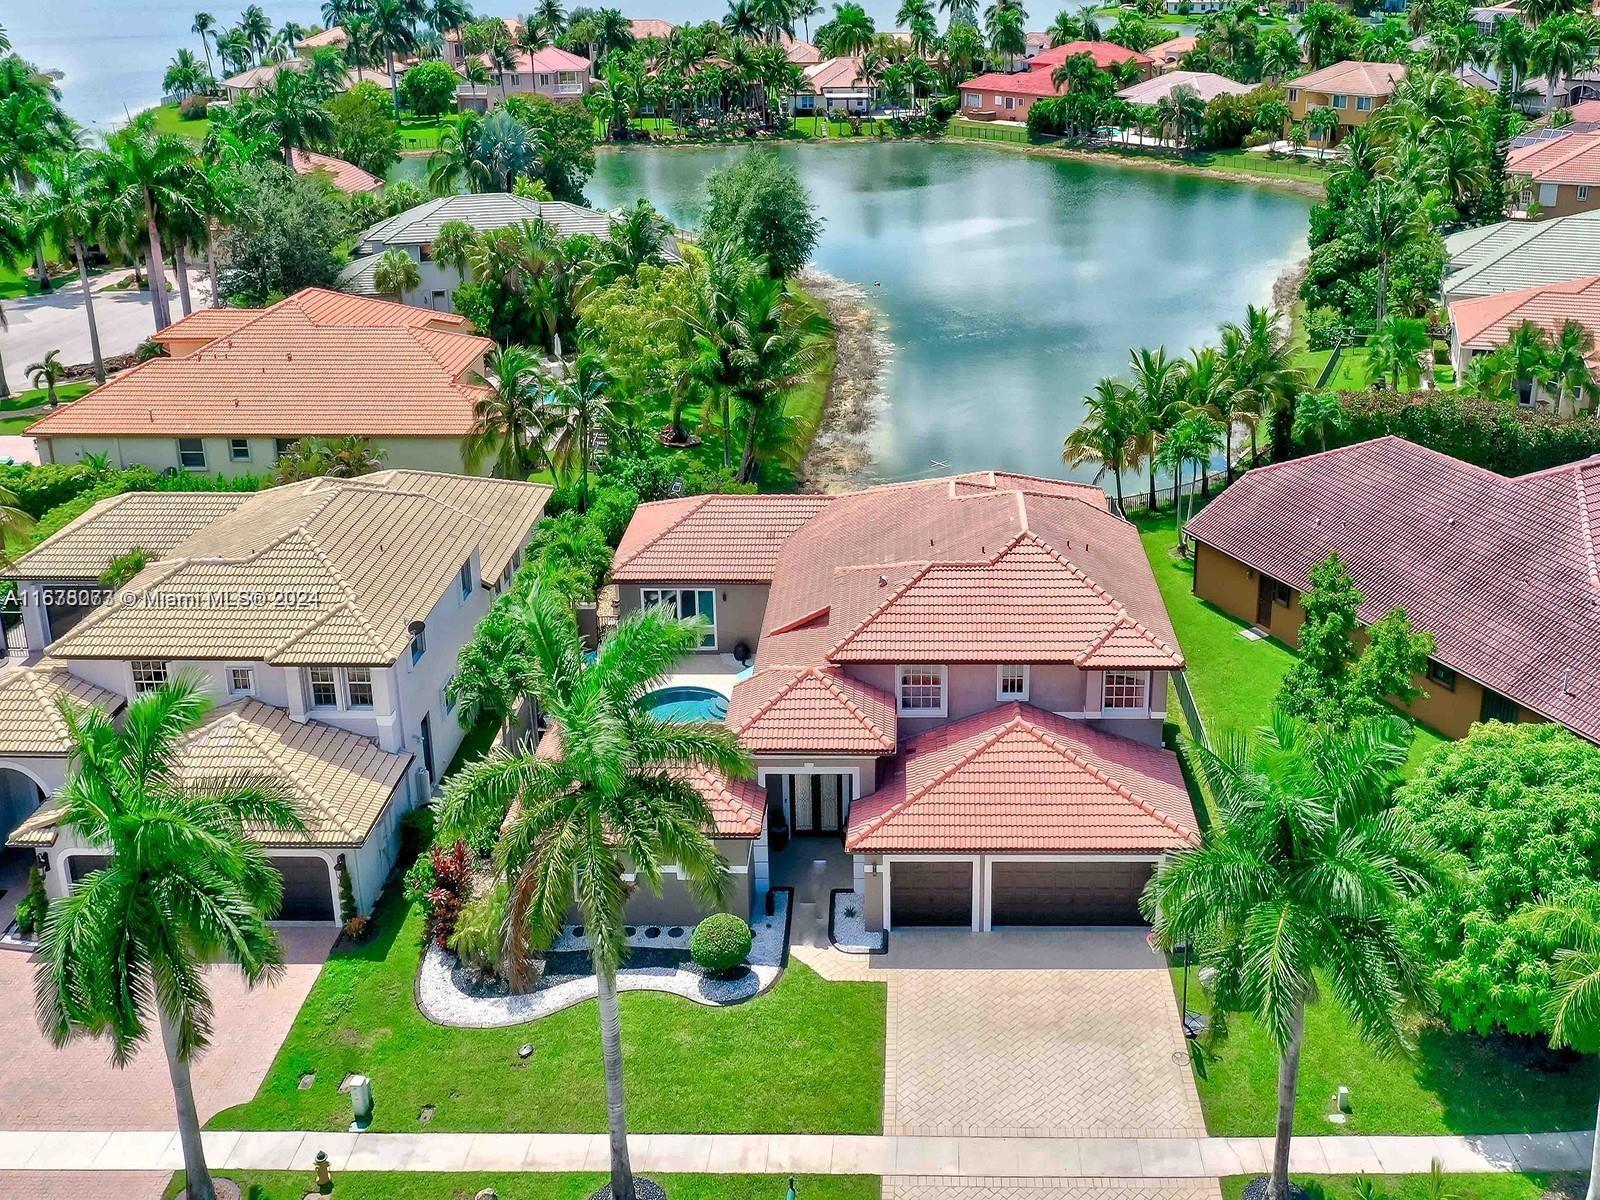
161, 453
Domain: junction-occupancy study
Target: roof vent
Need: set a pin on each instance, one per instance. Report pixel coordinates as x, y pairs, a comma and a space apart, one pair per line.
883, 581
1450, 520
1566, 682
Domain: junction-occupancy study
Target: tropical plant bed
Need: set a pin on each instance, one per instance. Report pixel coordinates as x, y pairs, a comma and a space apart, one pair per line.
425, 1185
812, 1050
1496, 1186
658, 961
1450, 1083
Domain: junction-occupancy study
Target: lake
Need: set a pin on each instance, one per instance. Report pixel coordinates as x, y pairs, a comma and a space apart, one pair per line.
1007, 284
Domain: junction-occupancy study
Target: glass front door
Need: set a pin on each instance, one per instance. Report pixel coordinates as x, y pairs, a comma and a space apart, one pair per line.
818, 804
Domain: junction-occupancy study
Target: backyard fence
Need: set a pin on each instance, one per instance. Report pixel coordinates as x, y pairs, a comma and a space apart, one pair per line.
1191, 712
989, 133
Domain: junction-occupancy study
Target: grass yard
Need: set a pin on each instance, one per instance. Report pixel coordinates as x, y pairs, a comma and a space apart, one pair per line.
169, 121
1500, 1186
421, 133
1449, 1083
807, 1057
401, 1185
34, 397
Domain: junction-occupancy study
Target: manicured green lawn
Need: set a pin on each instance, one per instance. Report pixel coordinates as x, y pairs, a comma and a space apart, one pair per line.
1450, 1082
1256, 163
34, 397
399, 1185
420, 133
1498, 1186
807, 1057
168, 121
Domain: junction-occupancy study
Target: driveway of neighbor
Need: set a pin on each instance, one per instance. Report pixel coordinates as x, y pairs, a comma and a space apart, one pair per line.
1038, 1033
77, 1087
55, 321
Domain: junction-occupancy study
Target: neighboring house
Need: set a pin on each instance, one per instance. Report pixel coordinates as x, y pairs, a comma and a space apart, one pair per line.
248, 83
1194, 8
549, 72
1560, 173
413, 232
323, 618
345, 176
1500, 570
334, 36
958, 690
650, 27
1204, 84
1353, 90
1486, 17
800, 53
1511, 255
1007, 96
241, 385
833, 85
1035, 43
1482, 324
1168, 55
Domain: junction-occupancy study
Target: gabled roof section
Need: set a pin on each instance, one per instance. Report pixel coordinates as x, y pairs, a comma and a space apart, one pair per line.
484, 211
345, 176
812, 710
1512, 255
151, 521
713, 539
30, 712
1353, 78
1485, 322
1574, 158
1020, 778
1105, 55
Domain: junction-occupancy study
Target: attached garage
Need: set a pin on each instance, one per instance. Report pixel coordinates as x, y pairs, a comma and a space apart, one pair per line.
1066, 893
930, 892
307, 884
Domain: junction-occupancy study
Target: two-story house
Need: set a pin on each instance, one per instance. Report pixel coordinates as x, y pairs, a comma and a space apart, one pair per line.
1481, 325
1352, 91
323, 618
550, 72
238, 386
1556, 176
956, 687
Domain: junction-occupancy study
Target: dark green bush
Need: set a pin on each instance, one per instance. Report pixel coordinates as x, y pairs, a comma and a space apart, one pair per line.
720, 943
417, 828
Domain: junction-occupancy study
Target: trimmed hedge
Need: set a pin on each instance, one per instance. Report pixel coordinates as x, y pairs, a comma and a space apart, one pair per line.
720, 943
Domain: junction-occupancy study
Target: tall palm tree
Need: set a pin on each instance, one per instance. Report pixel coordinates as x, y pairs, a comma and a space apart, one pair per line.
850, 31
1105, 435
458, 159
552, 18
1560, 48
394, 32
1299, 880
205, 26
256, 28
1181, 113
578, 408
148, 174
1204, 387
609, 799
185, 76
1154, 387
1008, 34
612, 31
776, 344
71, 207
1258, 359
184, 883
290, 109
1570, 352
507, 424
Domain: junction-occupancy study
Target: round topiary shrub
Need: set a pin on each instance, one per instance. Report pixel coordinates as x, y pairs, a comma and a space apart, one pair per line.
720, 943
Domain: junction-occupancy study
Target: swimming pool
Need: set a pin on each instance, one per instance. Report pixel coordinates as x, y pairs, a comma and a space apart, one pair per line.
686, 704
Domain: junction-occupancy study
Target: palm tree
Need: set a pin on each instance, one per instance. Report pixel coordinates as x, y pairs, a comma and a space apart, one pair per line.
205, 26
775, 346
578, 408
290, 110
961, 12
47, 373
256, 29
610, 799
1204, 387
1298, 881
396, 273
338, 458
1008, 34
70, 207
184, 75
1155, 381
1181, 111
1568, 363
506, 421
184, 884
637, 239
1387, 218
1105, 436
552, 18
458, 159
394, 33
1258, 358
12, 519
1394, 352
850, 30
1315, 414
148, 174
1560, 48
612, 31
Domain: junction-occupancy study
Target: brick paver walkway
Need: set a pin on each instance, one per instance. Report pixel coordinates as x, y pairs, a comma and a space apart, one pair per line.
937, 1187
1037, 1053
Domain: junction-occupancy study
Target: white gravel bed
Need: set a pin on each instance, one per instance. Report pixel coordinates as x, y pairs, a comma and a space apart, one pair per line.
850, 933
445, 1004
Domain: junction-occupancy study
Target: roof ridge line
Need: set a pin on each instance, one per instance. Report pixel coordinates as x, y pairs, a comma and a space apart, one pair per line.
349, 595
871, 616
1144, 806
688, 512
248, 732
831, 683
1585, 526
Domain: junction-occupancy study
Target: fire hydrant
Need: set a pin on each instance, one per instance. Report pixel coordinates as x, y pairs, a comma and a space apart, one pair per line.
324, 1175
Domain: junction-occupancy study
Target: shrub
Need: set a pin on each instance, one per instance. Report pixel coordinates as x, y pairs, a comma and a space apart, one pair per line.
193, 108
1326, 327
34, 905
124, 567
418, 882
348, 911
610, 510
430, 88
416, 835
720, 943
452, 888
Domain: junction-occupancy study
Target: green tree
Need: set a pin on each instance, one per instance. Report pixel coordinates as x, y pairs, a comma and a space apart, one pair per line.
290, 110
1105, 436
1394, 352
1298, 884
71, 207
148, 175
1315, 414
183, 884
396, 273
363, 129
393, 29
337, 458
47, 373
507, 424
609, 799
577, 407
761, 204
1561, 47
1568, 364
430, 88
286, 232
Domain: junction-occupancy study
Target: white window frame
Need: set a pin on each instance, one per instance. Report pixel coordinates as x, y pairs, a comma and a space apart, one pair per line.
1294, 94
943, 672
188, 466
235, 446
1000, 692
419, 646
1583, 191
1125, 710
347, 678
250, 676
972, 99
153, 677
1363, 103
671, 596
313, 683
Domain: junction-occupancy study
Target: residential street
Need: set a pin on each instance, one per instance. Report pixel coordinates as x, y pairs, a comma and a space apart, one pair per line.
35, 325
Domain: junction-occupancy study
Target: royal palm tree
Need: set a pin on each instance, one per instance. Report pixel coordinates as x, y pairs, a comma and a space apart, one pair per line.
185, 883
1105, 436
612, 32
850, 31
507, 425
204, 27
1298, 882
71, 208
290, 110
1007, 34
148, 174
1386, 218
611, 799
394, 32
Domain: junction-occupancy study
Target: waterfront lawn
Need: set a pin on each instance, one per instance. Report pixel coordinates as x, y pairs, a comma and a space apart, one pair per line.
1488, 1186
421, 133
423, 1185
1449, 1083
168, 120
806, 1057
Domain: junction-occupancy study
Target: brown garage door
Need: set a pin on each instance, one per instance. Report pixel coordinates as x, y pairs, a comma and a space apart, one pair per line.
1068, 893
930, 893
307, 890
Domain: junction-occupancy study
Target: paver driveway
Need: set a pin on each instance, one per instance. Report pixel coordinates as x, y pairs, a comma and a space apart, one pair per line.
1042, 1033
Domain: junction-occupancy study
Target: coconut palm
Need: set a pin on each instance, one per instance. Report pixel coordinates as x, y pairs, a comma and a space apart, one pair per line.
775, 345
1297, 885
1152, 391
849, 31
1315, 414
185, 76
551, 18
256, 30
205, 26
1560, 48
185, 883
396, 273
12, 519
290, 110
1258, 359
1571, 350
393, 27
607, 803
1180, 114
507, 425
1205, 387
47, 373
1189, 441
1007, 34
71, 208
1105, 435
148, 174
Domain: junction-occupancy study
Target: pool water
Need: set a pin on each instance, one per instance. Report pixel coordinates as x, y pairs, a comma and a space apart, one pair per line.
686, 704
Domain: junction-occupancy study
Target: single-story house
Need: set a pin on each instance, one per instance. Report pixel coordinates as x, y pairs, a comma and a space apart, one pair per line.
1482, 324
345, 176
833, 85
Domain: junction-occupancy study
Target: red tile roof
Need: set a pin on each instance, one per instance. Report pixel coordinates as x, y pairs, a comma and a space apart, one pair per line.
1353, 78
317, 363
1018, 778
1105, 54
812, 710
345, 176
1574, 158
714, 539
1485, 322
1502, 571
1021, 83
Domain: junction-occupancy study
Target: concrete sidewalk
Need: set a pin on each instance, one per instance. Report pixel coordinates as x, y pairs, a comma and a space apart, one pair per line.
927, 1157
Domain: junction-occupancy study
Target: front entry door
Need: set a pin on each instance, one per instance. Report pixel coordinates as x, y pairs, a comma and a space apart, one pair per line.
1263, 601
818, 802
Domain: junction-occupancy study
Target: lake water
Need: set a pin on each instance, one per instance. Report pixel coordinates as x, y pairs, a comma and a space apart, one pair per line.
1008, 285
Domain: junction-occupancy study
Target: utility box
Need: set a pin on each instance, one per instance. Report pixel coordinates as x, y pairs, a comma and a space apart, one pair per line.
361, 1102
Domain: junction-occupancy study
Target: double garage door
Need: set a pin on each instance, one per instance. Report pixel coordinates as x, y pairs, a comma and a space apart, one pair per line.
307, 888
1022, 893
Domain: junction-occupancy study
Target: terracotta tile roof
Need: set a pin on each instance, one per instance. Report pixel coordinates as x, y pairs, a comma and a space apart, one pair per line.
1574, 158
648, 27
833, 74
721, 539
332, 36
811, 710
340, 781
1352, 79
1019, 778
1171, 50
205, 323
1105, 54
151, 521
1485, 322
800, 52
357, 559
345, 176
1019, 83
30, 714
317, 363
1502, 571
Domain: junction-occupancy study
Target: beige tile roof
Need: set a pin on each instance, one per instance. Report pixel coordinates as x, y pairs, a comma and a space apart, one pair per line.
153, 521
325, 571
30, 712
340, 781
1353, 79
319, 363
